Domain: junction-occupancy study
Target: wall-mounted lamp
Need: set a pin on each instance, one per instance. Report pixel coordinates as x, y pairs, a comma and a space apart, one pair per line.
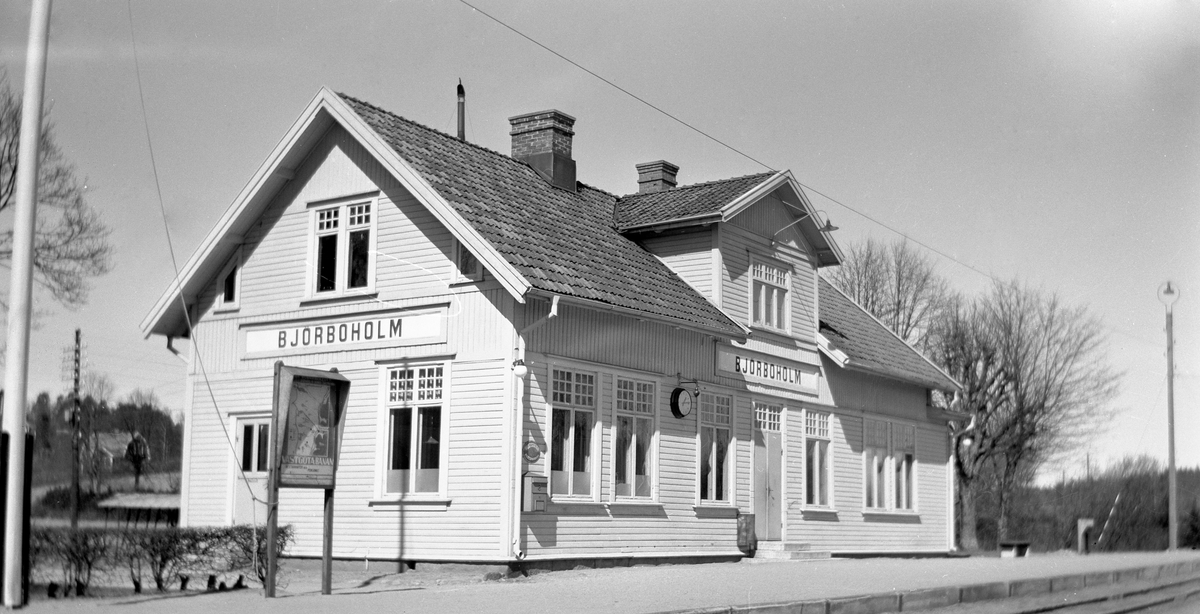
519, 368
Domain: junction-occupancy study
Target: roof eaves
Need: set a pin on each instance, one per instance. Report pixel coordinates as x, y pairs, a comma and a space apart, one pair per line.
955, 385
736, 332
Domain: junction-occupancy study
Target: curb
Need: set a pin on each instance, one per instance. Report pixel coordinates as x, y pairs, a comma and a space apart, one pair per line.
929, 598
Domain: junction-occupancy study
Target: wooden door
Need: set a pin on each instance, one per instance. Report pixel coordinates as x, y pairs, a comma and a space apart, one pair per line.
250, 476
768, 473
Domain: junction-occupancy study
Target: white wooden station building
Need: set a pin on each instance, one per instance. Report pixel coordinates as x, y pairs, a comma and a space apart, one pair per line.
542, 370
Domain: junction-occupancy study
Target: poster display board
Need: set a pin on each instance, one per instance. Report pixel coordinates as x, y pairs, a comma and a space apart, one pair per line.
309, 406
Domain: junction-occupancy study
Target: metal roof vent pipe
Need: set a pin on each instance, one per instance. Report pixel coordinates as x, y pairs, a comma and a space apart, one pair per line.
656, 176
543, 140
462, 112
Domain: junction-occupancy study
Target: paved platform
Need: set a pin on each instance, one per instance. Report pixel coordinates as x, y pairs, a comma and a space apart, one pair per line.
666, 588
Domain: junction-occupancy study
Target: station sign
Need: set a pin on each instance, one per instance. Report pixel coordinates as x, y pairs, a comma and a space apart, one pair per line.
768, 370
354, 332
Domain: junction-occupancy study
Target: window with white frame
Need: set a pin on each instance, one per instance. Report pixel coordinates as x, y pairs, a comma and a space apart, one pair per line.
875, 455
633, 470
415, 436
889, 456
904, 450
466, 266
768, 418
255, 443
816, 459
573, 403
716, 471
229, 289
343, 248
769, 296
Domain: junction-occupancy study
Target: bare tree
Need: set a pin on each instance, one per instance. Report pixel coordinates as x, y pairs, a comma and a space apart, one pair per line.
1035, 382
70, 240
895, 283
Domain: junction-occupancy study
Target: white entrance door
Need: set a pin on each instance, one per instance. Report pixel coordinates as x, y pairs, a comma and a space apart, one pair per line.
768, 472
250, 483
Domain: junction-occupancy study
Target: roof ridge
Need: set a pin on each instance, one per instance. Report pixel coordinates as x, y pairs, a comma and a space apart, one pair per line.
702, 184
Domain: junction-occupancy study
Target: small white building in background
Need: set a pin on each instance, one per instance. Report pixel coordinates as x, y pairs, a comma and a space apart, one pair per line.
686, 369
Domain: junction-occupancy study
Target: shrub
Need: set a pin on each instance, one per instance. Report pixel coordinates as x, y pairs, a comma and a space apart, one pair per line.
167, 553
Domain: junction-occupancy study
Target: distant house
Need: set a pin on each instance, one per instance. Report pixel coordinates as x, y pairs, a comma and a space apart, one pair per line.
687, 370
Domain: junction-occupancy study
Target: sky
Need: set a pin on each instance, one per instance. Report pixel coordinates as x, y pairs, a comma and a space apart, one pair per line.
1057, 143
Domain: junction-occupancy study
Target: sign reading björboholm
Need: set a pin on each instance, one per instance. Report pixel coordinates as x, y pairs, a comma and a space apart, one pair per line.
402, 329
767, 371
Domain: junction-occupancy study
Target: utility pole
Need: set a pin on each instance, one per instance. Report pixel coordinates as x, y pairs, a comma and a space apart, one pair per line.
1168, 294
75, 434
20, 299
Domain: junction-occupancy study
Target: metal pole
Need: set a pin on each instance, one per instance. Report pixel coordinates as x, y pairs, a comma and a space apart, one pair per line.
1172, 485
20, 295
327, 546
75, 435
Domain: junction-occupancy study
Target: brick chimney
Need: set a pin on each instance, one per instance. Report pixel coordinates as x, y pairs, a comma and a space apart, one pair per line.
543, 140
656, 176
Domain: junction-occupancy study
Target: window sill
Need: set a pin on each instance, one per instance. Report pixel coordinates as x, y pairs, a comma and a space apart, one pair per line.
715, 510
225, 309
415, 501
331, 299
898, 515
820, 511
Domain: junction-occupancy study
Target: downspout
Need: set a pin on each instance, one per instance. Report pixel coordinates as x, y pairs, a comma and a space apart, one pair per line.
519, 425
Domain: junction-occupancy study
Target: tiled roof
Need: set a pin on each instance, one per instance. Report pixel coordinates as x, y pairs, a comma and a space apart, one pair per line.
560, 241
683, 202
870, 345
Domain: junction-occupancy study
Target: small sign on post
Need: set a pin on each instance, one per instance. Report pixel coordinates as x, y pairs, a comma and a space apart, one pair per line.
306, 438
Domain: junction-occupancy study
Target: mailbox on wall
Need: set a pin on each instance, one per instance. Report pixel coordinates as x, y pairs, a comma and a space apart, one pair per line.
537, 493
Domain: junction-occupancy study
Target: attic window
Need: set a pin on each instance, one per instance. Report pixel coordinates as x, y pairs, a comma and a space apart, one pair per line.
467, 266
770, 299
343, 248
229, 282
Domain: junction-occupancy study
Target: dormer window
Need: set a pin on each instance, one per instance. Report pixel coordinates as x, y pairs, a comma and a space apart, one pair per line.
770, 299
343, 248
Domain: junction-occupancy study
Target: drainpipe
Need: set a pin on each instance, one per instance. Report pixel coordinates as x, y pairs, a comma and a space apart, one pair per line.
519, 424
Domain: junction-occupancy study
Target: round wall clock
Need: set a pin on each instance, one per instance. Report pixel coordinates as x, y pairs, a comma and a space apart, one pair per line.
532, 451
681, 402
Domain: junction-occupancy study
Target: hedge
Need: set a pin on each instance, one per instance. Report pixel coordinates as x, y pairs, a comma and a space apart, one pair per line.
166, 554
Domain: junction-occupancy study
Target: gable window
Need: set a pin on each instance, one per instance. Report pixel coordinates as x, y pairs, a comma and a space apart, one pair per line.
343, 248
716, 418
229, 283
632, 462
816, 459
573, 402
415, 433
467, 266
889, 456
769, 296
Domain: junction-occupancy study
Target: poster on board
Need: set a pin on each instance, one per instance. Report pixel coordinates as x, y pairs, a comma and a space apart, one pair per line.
309, 408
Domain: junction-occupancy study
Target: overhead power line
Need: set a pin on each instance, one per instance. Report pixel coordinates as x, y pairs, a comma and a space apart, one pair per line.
747, 156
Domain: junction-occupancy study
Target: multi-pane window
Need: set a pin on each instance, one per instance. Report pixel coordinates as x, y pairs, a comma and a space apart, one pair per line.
414, 402
904, 449
769, 296
768, 418
889, 456
632, 462
573, 398
875, 458
816, 458
256, 449
343, 257
716, 418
